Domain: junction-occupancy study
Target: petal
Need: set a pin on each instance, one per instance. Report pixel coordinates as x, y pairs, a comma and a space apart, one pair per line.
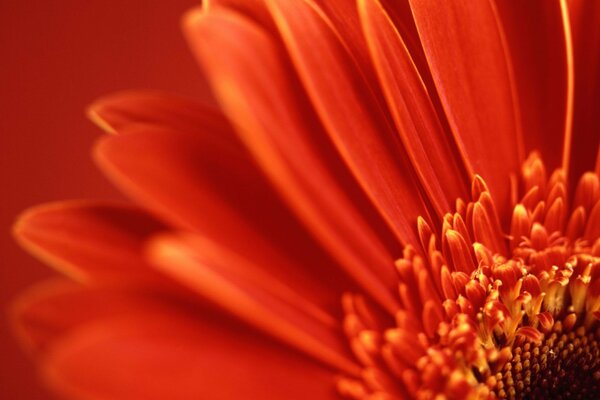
117, 111
51, 309
121, 346
536, 40
256, 91
466, 51
91, 241
597, 169
239, 286
344, 19
401, 16
351, 114
414, 114
201, 185
170, 357
585, 27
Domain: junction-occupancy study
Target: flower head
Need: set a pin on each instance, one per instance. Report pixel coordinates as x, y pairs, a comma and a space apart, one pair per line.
391, 202
488, 315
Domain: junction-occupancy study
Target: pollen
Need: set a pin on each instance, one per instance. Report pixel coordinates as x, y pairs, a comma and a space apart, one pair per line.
564, 365
491, 305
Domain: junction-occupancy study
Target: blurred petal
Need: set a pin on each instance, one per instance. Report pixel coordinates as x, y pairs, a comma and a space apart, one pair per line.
171, 357
91, 241
102, 344
119, 111
51, 309
203, 186
239, 286
252, 83
467, 54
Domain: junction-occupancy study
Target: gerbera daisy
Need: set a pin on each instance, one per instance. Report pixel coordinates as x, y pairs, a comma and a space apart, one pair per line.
396, 199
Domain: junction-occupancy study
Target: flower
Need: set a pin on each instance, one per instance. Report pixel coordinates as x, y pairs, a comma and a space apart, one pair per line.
395, 200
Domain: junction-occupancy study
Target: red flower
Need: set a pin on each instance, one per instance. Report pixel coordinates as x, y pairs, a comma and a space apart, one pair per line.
360, 215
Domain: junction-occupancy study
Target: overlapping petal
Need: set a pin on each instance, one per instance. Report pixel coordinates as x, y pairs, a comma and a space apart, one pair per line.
119, 111
480, 102
91, 241
252, 295
351, 114
201, 186
251, 81
422, 134
99, 344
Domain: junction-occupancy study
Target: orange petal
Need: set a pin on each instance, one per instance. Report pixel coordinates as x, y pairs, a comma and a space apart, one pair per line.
467, 54
351, 114
597, 169
136, 347
118, 111
412, 110
202, 186
584, 17
401, 15
286, 282
91, 241
536, 40
51, 309
251, 81
238, 285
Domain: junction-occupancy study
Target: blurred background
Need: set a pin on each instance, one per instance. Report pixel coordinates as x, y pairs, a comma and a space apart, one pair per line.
56, 58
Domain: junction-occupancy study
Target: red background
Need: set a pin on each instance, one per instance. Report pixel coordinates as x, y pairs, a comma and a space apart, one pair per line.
56, 57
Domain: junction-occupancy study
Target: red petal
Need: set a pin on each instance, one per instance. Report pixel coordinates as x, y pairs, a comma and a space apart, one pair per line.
242, 288
201, 185
536, 39
413, 112
466, 51
251, 81
585, 27
351, 114
91, 241
172, 357
52, 309
119, 111
108, 345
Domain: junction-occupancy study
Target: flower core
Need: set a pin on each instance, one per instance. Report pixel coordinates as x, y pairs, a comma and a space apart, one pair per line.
484, 314
565, 364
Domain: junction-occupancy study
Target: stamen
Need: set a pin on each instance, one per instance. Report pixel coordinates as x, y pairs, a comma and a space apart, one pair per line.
488, 315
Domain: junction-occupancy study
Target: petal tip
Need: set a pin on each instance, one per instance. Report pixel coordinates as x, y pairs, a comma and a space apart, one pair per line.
95, 113
193, 17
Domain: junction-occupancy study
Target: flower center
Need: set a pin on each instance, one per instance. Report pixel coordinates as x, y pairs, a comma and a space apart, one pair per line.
564, 365
485, 314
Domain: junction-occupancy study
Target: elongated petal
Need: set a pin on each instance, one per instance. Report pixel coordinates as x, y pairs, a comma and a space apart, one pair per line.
351, 114
401, 15
201, 186
536, 41
251, 81
109, 345
131, 109
51, 309
412, 109
584, 17
91, 241
155, 358
466, 50
237, 285
118, 111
